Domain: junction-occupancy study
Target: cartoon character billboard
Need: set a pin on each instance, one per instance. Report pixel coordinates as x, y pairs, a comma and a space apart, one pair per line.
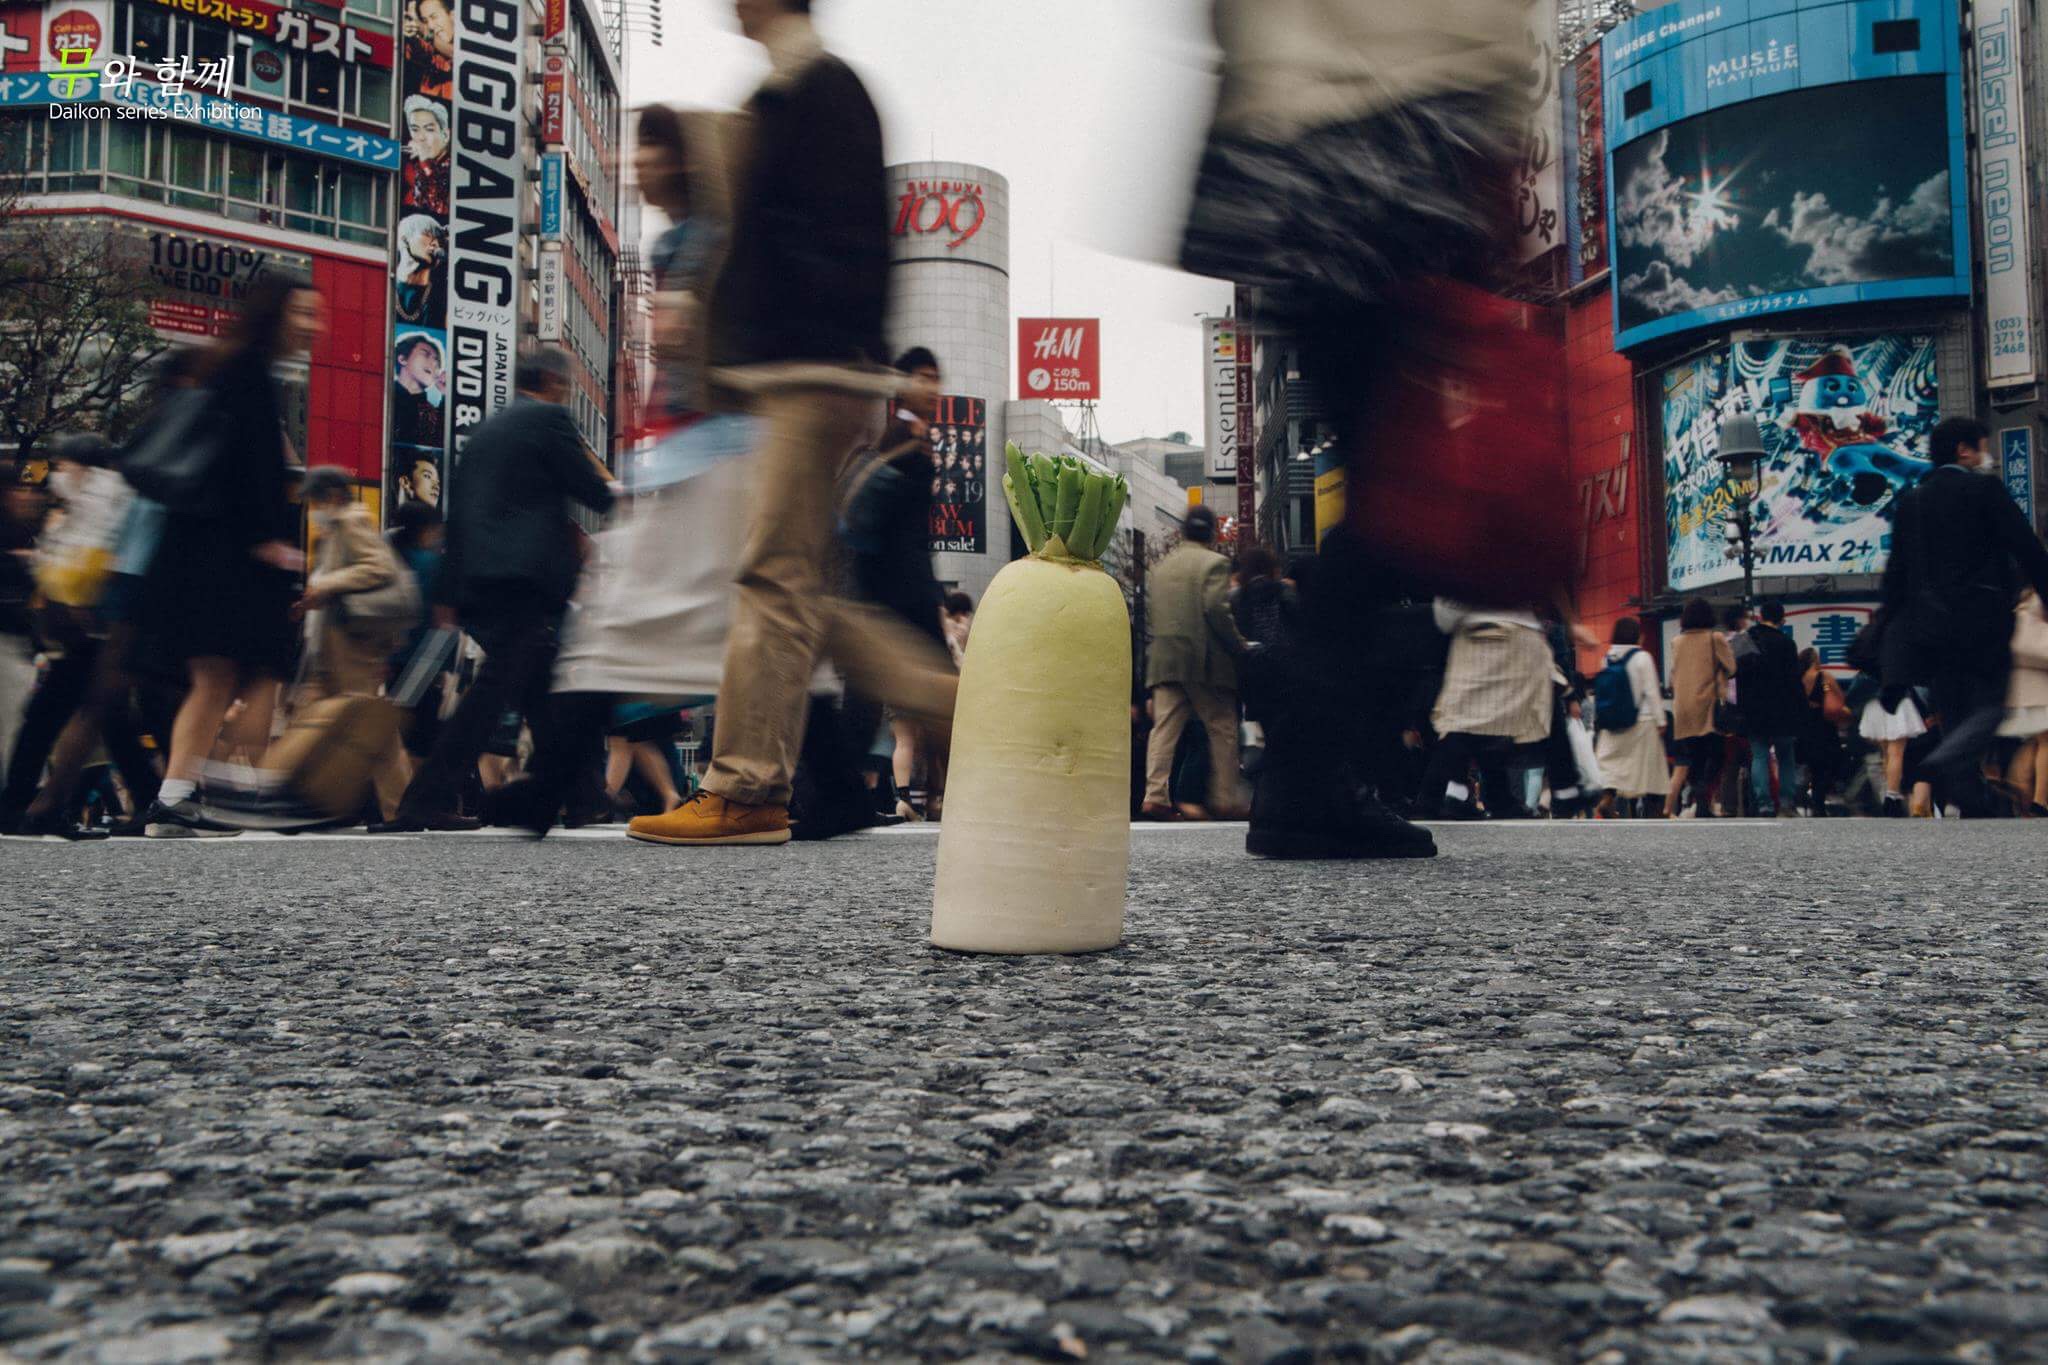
1845, 427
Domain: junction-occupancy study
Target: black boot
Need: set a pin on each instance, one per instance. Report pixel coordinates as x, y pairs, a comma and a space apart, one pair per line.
1304, 807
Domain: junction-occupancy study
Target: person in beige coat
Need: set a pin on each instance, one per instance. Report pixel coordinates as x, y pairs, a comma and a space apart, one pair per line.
1702, 664
1191, 667
2026, 705
348, 658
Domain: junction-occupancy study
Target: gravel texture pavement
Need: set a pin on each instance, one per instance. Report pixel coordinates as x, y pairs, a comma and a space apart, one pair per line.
1591, 1093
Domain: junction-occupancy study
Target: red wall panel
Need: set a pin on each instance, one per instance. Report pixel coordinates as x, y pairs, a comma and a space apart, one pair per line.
1606, 467
346, 424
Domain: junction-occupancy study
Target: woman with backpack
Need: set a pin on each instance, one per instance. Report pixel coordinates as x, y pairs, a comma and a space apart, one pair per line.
1629, 715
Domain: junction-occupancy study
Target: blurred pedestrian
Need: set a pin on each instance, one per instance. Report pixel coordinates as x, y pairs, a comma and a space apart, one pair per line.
795, 334
511, 564
1191, 669
1628, 713
1701, 667
82, 698
679, 163
2026, 706
1400, 123
1260, 600
21, 521
1961, 552
360, 602
217, 598
886, 526
1821, 759
959, 622
1772, 701
1498, 693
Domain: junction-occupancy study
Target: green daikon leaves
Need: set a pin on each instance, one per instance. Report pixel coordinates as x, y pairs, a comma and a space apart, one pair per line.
1065, 507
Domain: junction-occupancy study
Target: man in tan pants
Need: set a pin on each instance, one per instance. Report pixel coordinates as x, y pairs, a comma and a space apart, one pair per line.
795, 328
1191, 668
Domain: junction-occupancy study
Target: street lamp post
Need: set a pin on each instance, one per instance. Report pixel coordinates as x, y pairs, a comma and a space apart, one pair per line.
1742, 447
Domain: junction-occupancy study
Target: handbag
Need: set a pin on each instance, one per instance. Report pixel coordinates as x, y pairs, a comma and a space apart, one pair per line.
1834, 707
1866, 651
171, 459
328, 750
1464, 493
393, 609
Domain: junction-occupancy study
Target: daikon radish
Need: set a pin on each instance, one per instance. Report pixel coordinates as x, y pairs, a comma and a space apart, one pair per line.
1036, 844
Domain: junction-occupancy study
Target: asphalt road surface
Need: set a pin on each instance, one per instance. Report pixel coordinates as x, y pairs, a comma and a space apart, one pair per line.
1602, 1093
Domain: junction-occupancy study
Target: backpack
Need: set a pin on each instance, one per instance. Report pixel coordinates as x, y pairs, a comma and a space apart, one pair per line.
1614, 695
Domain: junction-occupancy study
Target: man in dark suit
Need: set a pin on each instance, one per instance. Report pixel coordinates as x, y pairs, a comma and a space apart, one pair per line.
1961, 551
510, 568
1773, 702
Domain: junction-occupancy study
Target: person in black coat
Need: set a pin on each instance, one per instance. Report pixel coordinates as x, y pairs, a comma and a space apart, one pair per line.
1772, 695
216, 603
1961, 551
509, 570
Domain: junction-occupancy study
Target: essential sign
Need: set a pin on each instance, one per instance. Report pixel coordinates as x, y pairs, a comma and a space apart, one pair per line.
1219, 378
1059, 359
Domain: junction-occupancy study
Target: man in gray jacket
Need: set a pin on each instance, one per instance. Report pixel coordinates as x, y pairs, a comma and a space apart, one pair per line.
1191, 667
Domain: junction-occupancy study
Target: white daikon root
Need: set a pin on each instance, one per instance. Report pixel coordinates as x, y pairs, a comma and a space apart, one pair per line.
1036, 844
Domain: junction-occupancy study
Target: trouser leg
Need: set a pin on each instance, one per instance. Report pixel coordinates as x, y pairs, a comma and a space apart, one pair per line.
41, 720
780, 616
1170, 712
1217, 709
512, 644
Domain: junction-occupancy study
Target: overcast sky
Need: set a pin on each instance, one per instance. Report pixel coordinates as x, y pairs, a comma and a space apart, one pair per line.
1094, 110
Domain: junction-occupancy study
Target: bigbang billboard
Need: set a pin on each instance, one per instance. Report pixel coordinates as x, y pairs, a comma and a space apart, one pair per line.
1845, 425
1767, 156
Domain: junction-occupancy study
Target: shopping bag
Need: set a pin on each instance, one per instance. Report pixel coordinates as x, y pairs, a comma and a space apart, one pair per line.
328, 749
1462, 488
1583, 756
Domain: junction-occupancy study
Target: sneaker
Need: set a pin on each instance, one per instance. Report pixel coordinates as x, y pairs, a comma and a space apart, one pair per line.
55, 826
184, 820
708, 818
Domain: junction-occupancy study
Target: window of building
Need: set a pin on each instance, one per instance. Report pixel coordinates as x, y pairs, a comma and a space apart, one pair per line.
143, 33
304, 201
316, 80
203, 42
74, 156
195, 181
373, 93
379, 9
193, 168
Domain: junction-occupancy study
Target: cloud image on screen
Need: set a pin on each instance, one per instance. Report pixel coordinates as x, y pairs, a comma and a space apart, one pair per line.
1835, 185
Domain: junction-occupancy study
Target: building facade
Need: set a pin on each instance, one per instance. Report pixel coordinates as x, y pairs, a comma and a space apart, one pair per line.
213, 146
949, 291
1847, 301
391, 150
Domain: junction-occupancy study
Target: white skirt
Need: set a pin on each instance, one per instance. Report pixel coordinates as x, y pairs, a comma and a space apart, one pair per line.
2024, 723
1878, 725
1632, 760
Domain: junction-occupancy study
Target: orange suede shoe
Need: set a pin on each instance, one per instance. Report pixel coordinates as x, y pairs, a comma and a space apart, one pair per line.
708, 818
